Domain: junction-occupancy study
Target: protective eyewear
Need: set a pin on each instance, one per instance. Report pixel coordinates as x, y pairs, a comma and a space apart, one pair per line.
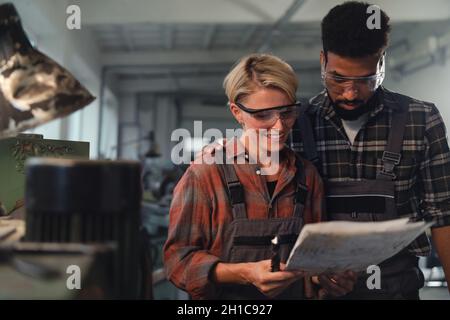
339, 84
269, 116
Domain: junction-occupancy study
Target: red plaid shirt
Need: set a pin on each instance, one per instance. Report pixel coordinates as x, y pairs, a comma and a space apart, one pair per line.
201, 207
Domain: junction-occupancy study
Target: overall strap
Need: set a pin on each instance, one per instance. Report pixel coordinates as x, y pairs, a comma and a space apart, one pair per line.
235, 191
301, 191
303, 134
392, 154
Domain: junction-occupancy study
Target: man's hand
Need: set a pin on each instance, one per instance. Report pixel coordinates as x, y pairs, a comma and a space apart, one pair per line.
335, 285
270, 283
209, 149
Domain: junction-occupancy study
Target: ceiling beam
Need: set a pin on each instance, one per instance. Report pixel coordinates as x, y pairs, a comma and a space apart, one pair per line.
201, 57
205, 84
278, 25
219, 11
157, 85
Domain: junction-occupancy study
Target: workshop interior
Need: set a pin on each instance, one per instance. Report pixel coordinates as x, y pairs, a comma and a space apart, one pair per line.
91, 92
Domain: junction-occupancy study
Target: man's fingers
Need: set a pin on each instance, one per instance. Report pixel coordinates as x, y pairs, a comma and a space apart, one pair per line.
343, 282
331, 285
209, 149
352, 275
219, 144
346, 280
315, 279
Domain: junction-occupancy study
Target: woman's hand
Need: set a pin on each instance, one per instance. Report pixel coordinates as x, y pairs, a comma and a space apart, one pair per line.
257, 274
270, 283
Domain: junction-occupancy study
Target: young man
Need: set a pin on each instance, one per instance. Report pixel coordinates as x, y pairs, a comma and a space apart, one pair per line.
381, 155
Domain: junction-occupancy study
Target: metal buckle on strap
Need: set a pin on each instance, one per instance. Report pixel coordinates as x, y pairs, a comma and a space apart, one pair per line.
389, 174
392, 157
236, 192
390, 160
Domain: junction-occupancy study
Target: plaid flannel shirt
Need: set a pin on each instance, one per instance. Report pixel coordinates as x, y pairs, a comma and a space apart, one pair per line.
201, 210
422, 186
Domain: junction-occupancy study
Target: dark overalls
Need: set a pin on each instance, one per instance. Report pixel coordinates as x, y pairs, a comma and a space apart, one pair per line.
249, 240
371, 200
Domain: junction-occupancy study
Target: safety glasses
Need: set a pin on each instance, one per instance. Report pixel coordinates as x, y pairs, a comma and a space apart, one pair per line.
268, 117
339, 84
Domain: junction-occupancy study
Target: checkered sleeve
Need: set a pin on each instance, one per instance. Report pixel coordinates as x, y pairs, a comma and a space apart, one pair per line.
186, 259
435, 171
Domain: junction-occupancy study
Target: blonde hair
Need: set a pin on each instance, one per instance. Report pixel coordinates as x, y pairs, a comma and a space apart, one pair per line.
257, 71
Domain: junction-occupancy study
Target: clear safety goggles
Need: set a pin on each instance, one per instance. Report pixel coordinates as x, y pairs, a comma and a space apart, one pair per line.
339, 84
268, 117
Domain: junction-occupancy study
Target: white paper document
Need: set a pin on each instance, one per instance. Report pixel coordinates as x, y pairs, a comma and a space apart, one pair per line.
342, 245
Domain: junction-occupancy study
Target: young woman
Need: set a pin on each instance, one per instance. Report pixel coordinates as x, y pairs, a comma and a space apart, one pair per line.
224, 216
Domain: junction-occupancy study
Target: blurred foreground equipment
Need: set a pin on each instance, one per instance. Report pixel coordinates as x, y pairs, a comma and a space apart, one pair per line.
92, 202
40, 271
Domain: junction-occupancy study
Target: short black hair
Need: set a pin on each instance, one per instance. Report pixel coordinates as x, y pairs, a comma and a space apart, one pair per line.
345, 31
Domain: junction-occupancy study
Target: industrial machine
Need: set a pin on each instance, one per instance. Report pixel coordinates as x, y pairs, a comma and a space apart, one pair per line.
78, 233
15, 151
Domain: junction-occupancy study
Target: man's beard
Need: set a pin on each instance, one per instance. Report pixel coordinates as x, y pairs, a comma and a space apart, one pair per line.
351, 114
361, 108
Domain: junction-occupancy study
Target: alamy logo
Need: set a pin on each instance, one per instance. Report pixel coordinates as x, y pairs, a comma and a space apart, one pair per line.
374, 280
74, 280
263, 146
73, 21
374, 20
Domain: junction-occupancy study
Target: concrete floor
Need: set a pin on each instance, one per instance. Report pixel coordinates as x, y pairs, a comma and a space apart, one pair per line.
435, 279
434, 294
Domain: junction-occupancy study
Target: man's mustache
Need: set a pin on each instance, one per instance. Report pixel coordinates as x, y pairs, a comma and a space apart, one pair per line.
350, 102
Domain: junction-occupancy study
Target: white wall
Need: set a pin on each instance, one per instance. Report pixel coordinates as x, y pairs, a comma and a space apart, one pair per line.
430, 84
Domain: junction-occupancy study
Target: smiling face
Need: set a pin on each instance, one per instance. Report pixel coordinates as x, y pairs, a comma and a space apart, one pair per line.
263, 98
351, 95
